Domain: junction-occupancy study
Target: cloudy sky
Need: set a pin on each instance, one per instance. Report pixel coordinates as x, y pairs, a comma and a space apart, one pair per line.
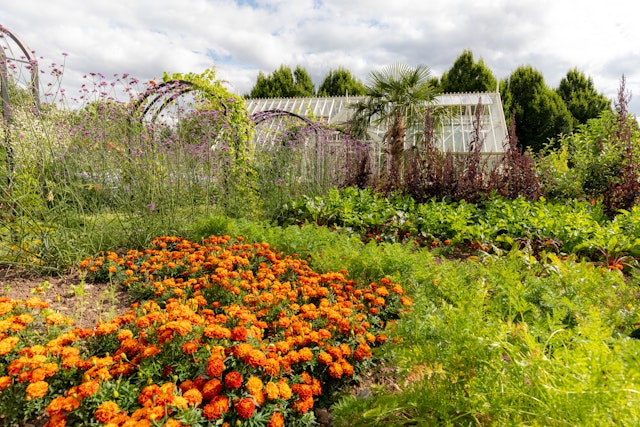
240, 38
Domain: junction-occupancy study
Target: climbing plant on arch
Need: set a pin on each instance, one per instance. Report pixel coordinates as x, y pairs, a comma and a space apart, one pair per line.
224, 114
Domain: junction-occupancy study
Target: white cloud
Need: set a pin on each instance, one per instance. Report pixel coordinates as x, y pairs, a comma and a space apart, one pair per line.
146, 38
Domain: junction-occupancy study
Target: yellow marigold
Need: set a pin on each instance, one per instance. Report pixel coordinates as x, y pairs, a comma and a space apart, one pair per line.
180, 402
254, 385
272, 390
284, 389
8, 344
325, 358
5, 307
37, 389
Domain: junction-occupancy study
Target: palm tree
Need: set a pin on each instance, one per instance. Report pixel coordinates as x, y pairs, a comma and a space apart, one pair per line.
398, 95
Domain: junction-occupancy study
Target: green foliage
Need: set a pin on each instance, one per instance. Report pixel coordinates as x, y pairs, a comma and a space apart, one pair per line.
340, 82
540, 113
579, 94
283, 83
588, 162
466, 75
509, 341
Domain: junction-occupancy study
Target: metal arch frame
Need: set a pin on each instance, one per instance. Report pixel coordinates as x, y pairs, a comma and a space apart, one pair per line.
4, 73
261, 116
174, 89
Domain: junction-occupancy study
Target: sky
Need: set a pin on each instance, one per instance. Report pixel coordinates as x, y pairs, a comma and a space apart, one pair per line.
145, 38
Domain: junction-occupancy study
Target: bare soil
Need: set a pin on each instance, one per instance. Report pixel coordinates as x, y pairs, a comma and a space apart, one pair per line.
85, 303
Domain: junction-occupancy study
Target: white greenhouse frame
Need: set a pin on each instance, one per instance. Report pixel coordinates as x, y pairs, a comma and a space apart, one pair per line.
453, 134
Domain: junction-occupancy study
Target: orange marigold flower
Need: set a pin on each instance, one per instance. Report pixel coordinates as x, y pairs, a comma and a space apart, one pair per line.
216, 409
325, 358
304, 391
37, 389
106, 411
149, 351
217, 332
255, 358
57, 420
347, 368
172, 423
5, 382
335, 370
88, 388
305, 354
147, 393
193, 396
215, 366
35, 302
406, 301
272, 367
276, 420
124, 335
105, 328
245, 408
211, 388
58, 319
233, 380
335, 352
190, 347
303, 406
186, 385
239, 333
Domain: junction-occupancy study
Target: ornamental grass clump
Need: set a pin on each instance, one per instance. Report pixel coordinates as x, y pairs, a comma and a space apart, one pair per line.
222, 331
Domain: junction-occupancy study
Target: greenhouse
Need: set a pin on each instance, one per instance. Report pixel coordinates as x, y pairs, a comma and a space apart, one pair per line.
453, 133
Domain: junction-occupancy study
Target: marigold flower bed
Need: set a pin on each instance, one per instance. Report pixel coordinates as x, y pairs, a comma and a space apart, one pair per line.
222, 332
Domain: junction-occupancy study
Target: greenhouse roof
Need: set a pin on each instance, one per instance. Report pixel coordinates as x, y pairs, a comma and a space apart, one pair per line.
453, 134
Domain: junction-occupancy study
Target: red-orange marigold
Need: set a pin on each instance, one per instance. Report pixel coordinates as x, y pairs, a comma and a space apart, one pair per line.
245, 408
233, 380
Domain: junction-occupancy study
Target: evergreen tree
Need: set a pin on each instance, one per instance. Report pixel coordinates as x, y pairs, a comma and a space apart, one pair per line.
283, 83
581, 98
466, 75
340, 82
540, 113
